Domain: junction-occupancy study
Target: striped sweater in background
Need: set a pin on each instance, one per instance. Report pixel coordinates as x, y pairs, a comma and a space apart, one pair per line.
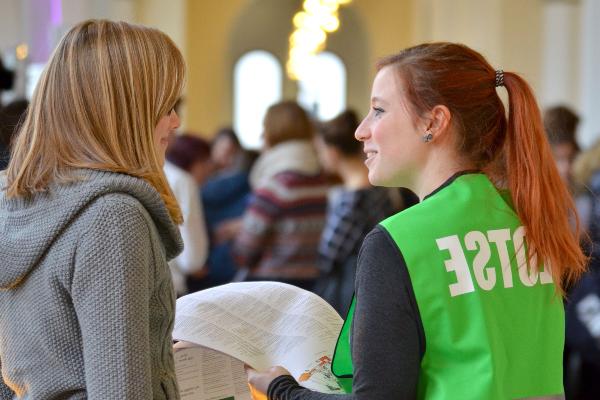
286, 215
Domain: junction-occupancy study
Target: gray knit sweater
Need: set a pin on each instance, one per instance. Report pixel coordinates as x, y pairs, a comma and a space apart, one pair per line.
86, 299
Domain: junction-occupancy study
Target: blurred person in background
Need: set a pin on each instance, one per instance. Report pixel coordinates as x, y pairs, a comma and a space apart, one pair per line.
226, 151
353, 210
7, 79
560, 124
583, 304
187, 166
225, 197
10, 117
582, 352
192, 153
282, 225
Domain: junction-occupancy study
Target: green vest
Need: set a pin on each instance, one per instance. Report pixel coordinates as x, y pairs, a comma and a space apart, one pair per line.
494, 327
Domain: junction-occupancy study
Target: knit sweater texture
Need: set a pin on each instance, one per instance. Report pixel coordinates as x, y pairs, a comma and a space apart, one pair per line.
86, 298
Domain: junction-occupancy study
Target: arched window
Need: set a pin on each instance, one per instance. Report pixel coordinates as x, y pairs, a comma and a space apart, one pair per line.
257, 80
322, 90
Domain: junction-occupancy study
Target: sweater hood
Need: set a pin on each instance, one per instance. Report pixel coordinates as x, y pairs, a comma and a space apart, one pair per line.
294, 155
29, 226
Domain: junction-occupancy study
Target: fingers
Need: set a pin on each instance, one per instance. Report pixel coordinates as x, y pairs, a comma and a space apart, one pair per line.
255, 394
254, 381
251, 373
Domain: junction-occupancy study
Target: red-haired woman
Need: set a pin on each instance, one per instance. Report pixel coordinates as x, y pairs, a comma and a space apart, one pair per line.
459, 296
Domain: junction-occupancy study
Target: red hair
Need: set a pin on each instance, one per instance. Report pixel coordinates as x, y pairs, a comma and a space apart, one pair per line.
514, 153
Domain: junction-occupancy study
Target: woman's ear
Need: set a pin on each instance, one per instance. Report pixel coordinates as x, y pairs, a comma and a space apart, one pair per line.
439, 121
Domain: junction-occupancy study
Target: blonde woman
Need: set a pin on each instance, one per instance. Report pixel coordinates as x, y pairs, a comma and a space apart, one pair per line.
87, 223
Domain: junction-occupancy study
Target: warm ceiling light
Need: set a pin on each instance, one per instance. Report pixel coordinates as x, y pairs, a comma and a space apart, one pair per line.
22, 51
318, 18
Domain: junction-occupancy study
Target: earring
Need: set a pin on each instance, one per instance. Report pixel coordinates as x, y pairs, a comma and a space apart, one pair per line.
428, 136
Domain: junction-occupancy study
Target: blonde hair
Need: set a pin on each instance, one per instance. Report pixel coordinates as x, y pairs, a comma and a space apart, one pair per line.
96, 106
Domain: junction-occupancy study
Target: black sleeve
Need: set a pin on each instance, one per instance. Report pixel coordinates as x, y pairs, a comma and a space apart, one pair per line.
388, 341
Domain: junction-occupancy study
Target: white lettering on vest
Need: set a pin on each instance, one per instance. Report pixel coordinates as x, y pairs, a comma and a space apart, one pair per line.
458, 264
485, 275
529, 278
476, 240
545, 276
499, 237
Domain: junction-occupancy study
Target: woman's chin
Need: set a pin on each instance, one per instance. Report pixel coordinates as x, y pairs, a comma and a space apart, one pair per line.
376, 180
399, 180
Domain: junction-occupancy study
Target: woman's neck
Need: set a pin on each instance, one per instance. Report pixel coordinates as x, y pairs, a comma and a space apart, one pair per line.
438, 170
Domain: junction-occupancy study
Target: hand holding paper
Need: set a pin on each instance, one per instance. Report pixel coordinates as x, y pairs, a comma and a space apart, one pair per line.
259, 381
261, 324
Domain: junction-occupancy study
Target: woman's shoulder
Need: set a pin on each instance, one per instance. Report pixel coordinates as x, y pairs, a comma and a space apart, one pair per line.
122, 202
112, 215
116, 204
95, 192
379, 241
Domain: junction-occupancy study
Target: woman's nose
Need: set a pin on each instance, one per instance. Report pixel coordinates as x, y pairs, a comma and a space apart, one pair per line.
362, 132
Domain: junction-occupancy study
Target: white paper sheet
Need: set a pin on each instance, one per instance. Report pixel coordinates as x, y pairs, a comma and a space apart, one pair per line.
205, 374
264, 324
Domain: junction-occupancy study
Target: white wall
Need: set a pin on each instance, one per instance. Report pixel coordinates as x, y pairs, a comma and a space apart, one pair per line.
561, 54
11, 35
589, 130
17, 19
553, 44
168, 16
475, 23
506, 32
10, 24
29, 22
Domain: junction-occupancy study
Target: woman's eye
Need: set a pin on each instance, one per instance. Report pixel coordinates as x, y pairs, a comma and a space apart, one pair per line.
378, 111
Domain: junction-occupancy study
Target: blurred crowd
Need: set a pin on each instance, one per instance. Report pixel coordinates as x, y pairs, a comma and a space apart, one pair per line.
581, 171
295, 212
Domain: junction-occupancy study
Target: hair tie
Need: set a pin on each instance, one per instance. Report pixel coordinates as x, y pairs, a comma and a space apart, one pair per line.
499, 77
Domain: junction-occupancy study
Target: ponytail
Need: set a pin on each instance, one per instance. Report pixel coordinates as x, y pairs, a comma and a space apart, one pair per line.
514, 153
540, 197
